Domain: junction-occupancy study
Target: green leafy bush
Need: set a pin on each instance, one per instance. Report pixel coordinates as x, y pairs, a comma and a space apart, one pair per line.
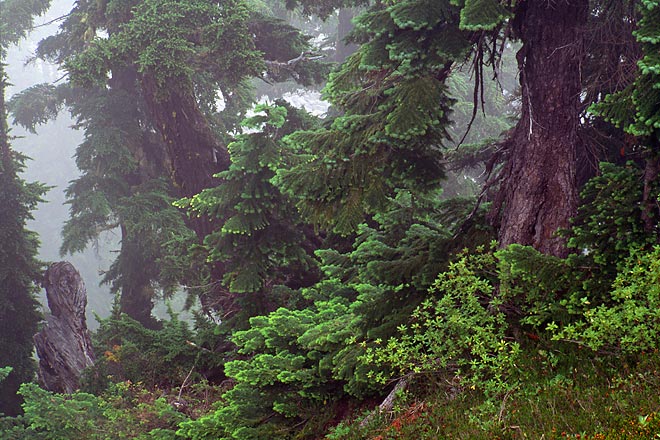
126, 410
629, 321
458, 330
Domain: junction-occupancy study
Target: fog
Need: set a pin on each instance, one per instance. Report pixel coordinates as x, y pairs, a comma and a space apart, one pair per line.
51, 151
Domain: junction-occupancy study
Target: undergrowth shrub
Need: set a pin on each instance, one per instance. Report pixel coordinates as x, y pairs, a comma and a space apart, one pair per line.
125, 410
459, 329
628, 322
128, 351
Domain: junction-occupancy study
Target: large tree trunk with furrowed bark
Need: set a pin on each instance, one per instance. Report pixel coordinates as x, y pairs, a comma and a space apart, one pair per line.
538, 195
194, 151
64, 345
195, 156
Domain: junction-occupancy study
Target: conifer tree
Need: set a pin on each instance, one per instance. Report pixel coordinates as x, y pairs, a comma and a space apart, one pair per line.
123, 183
636, 108
133, 161
19, 268
413, 45
184, 55
261, 240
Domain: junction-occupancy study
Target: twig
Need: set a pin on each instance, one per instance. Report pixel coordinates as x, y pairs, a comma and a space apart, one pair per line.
192, 344
183, 385
61, 17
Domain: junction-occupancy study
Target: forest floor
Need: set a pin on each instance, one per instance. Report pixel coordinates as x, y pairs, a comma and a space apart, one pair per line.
553, 395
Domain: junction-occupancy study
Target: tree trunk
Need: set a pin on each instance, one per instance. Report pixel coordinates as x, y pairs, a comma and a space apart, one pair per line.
539, 194
137, 294
194, 152
195, 156
344, 27
64, 345
649, 199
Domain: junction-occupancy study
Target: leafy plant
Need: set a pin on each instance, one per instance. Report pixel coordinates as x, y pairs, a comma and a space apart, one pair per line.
458, 330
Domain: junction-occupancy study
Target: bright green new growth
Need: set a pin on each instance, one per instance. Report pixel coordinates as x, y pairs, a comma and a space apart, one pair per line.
395, 114
477, 15
458, 330
628, 322
259, 238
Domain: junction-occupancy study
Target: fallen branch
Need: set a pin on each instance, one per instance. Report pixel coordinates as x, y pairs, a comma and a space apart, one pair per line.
388, 403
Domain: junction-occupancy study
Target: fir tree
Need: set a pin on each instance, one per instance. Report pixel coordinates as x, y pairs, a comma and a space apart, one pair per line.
636, 108
176, 57
261, 240
395, 115
19, 268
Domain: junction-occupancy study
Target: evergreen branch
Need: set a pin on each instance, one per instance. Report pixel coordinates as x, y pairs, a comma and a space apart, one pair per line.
275, 66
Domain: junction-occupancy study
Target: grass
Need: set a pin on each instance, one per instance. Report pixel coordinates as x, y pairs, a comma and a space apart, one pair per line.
563, 393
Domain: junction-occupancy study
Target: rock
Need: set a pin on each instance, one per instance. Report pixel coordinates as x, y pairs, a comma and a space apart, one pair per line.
64, 346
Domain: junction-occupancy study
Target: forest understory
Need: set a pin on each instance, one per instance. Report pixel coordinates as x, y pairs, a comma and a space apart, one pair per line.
463, 244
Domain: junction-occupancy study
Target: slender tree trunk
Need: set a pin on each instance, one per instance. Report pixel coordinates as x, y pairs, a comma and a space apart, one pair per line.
538, 194
344, 27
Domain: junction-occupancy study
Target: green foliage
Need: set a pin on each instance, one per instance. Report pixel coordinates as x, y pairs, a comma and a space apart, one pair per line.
389, 302
394, 116
296, 360
122, 185
636, 109
458, 329
124, 411
4, 372
580, 397
609, 222
16, 20
19, 267
308, 355
479, 15
190, 48
628, 321
260, 239
540, 287
171, 39
36, 105
127, 351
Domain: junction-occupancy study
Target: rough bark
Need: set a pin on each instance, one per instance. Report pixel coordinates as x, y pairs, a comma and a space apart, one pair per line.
539, 194
194, 152
64, 346
195, 156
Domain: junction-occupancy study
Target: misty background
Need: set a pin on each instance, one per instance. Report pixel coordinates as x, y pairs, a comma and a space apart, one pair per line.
53, 146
